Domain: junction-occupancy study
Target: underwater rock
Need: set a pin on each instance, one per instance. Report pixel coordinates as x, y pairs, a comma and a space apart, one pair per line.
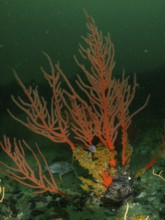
122, 186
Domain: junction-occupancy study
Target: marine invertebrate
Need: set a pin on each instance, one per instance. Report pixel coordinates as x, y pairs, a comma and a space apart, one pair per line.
23, 172
103, 111
2, 193
97, 164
